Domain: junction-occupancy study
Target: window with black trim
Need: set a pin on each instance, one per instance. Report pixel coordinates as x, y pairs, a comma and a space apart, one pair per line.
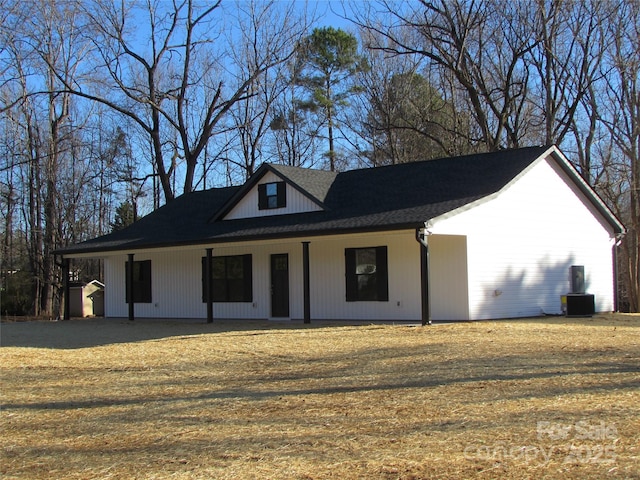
141, 281
231, 279
272, 195
367, 274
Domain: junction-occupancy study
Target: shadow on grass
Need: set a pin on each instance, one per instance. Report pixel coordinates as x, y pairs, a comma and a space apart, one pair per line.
337, 375
94, 332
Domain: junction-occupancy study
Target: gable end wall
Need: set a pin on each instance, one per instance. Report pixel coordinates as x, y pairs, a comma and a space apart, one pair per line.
522, 244
247, 207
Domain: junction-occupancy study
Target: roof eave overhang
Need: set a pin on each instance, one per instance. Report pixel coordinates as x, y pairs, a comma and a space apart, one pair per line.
89, 251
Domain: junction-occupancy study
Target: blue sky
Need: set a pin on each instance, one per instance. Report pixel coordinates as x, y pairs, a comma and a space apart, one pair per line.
329, 12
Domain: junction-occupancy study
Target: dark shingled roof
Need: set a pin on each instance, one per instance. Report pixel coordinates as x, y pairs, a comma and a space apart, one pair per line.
316, 183
372, 199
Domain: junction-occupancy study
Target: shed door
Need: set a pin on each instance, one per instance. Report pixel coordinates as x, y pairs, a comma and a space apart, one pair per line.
280, 285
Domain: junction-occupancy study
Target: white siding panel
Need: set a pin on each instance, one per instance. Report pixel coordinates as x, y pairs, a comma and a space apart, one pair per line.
522, 243
247, 207
177, 288
114, 290
176, 284
328, 290
448, 288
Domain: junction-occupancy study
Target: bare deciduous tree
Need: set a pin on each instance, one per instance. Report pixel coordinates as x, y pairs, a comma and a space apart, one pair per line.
295, 134
45, 51
478, 44
567, 61
265, 27
621, 115
181, 90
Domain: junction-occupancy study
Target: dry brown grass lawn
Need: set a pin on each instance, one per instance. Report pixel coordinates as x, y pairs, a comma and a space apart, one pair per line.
539, 398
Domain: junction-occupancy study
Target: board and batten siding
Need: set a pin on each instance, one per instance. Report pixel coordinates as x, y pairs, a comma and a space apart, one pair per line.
172, 278
247, 207
522, 243
449, 287
327, 272
177, 289
176, 283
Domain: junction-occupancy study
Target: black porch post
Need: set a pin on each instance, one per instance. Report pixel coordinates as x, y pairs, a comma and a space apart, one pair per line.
424, 283
424, 275
66, 289
207, 285
306, 282
130, 285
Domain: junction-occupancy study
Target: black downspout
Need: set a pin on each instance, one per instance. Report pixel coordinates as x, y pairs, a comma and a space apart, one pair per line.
614, 254
207, 285
130, 286
306, 282
424, 277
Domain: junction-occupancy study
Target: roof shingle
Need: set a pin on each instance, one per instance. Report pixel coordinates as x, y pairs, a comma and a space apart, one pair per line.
383, 198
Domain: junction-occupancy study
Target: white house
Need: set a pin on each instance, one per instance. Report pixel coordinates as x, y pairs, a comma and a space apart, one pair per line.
475, 237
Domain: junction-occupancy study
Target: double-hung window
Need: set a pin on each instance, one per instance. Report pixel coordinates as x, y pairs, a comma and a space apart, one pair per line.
231, 279
141, 281
272, 195
366, 274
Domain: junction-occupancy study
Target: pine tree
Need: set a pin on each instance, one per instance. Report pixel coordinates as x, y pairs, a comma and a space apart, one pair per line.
331, 60
125, 216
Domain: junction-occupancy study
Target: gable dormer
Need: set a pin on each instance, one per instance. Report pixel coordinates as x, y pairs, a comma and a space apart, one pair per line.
277, 190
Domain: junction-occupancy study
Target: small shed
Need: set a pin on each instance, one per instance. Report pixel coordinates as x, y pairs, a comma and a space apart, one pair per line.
86, 299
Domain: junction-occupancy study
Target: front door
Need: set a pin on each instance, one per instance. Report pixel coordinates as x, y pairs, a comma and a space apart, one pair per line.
280, 285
